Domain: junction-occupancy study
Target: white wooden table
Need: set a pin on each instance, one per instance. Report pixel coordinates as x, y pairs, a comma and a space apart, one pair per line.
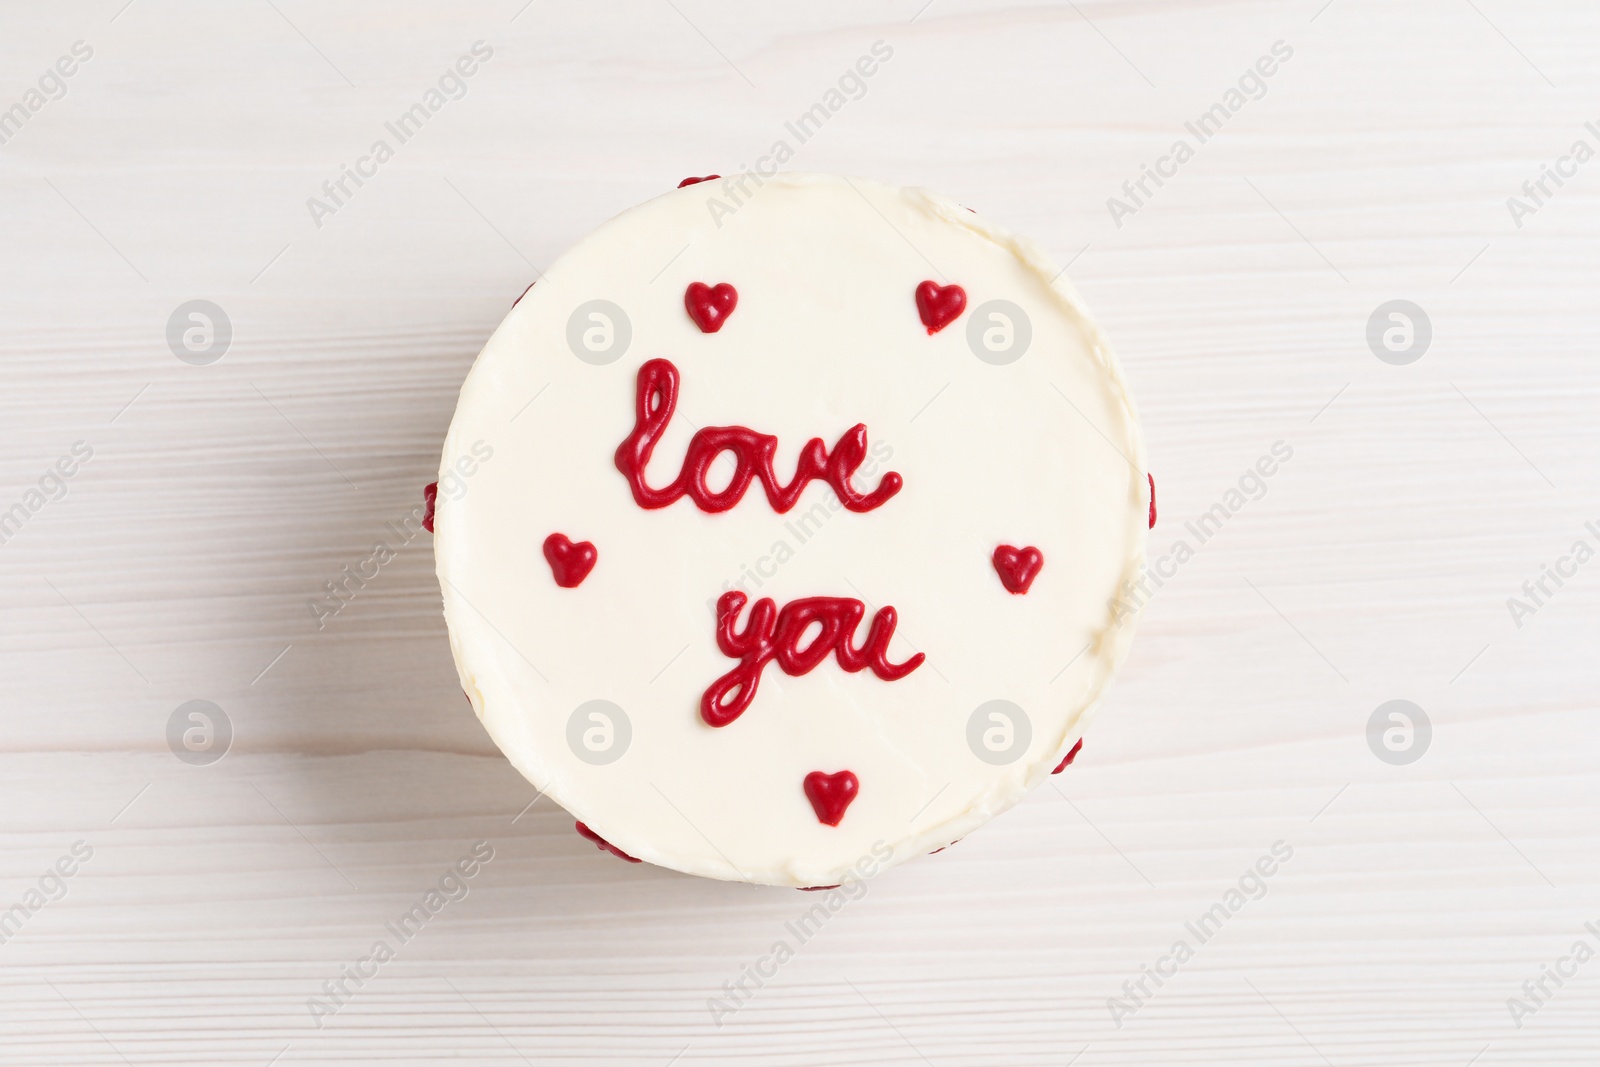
177, 563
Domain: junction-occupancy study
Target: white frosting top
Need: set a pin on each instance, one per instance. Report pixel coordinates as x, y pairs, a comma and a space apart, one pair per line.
1038, 449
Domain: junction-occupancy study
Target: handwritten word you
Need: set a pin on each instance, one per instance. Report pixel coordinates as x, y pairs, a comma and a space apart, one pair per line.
772, 636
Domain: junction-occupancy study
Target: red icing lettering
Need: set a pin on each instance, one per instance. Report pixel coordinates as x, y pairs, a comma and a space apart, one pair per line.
940, 305
602, 843
657, 398
710, 305
770, 635
570, 563
1017, 567
831, 794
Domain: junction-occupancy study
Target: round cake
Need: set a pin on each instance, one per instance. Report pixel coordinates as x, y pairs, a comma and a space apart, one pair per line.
784, 527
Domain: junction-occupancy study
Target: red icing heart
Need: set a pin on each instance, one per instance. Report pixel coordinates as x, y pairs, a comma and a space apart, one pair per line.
697, 181
830, 794
601, 842
1017, 567
709, 306
1067, 762
1152, 500
430, 497
940, 305
570, 563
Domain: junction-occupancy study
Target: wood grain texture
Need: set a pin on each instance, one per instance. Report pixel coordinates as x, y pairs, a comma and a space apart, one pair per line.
219, 499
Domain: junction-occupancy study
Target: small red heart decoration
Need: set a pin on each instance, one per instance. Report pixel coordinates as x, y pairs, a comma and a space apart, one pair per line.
430, 500
570, 563
696, 181
1067, 762
830, 794
939, 305
1152, 478
602, 843
710, 305
1017, 567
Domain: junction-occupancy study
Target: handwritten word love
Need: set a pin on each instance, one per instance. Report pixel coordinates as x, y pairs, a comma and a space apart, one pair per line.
657, 398
773, 636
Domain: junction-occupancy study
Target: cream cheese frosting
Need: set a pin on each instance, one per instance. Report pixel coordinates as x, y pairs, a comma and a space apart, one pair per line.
1010, 428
